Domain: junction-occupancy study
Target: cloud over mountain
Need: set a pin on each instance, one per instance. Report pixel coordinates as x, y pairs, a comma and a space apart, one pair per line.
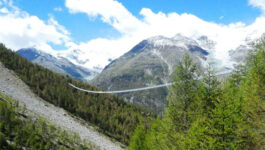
19, 29
133, 29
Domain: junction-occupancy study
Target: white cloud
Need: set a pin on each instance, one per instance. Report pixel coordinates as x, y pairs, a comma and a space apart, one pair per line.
110, 11
4, 10
58, 9
134, 30
258, 3
18, 30
99, 51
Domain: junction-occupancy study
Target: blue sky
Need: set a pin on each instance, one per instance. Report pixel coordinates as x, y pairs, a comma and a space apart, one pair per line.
209, 10
83, 28
105, 29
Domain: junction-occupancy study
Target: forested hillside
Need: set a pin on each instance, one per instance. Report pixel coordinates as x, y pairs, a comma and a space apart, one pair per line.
208, 114
19, 131
112, 115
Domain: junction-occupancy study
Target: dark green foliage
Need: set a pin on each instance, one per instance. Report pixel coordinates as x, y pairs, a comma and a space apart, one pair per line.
208, 114
182, 95
18, 132
112, 115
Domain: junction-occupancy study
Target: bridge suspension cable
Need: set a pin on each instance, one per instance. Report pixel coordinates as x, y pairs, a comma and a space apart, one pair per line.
133, 90
122, 91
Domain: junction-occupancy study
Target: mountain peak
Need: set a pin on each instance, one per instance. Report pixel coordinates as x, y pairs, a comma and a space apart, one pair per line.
152, 61
29, 50
180, 37
178, 40
155, 38
159, 40
206, 43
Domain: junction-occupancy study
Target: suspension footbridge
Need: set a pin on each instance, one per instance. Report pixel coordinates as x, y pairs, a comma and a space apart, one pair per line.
136, 89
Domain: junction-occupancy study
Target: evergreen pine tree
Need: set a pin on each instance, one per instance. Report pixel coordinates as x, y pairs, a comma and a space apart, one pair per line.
181, 104
182, 95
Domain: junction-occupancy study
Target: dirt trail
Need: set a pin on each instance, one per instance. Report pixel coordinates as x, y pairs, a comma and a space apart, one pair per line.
18, 90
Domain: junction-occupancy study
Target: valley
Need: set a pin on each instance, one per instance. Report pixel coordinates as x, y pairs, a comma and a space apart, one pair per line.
132, 75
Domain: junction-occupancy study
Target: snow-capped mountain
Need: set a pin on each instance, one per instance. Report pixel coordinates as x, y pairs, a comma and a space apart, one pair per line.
150, 62
58, 64
218, 48
79, 58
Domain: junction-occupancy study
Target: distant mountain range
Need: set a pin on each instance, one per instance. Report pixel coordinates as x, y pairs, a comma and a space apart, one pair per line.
57, 64
152, 62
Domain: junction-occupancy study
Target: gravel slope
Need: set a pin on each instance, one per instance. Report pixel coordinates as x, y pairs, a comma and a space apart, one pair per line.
13, 87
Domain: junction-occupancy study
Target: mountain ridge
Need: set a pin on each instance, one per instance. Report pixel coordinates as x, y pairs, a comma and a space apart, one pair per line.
58, 64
